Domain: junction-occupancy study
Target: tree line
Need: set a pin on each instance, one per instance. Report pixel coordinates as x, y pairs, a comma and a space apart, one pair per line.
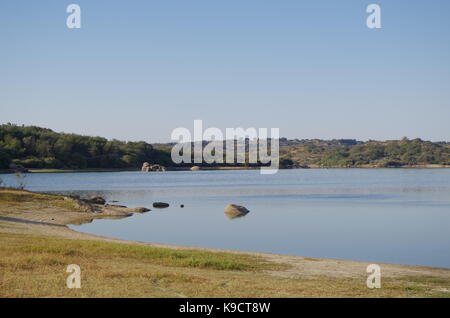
36, 147
380, 154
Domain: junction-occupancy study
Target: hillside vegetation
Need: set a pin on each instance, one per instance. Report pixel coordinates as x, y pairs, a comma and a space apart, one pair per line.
41, 148
36, 147
352, 153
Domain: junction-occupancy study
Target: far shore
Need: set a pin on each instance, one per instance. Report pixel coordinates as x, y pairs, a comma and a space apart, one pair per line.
37, 241
44, 170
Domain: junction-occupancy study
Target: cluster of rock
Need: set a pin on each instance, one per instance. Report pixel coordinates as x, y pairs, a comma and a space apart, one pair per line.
97, 204
96, 200
146, 167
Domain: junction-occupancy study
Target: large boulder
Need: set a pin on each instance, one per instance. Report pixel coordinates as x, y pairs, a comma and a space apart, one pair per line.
146, 167
233, 211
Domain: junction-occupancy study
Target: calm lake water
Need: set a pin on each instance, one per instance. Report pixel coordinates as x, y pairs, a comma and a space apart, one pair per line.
377, 215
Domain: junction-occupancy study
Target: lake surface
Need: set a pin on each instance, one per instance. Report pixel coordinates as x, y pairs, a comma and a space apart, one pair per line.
376, 215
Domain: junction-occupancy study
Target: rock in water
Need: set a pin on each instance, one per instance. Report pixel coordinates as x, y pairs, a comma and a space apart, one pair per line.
160, 205
233, 211
195, 168
146, 167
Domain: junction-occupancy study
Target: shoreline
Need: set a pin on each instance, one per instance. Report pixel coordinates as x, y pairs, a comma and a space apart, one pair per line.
42, 215
172, 169
54, 218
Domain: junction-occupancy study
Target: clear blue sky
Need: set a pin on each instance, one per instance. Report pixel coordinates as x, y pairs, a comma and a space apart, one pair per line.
138, 69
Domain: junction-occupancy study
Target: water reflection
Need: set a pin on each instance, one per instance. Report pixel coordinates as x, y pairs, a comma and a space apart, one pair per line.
232, 216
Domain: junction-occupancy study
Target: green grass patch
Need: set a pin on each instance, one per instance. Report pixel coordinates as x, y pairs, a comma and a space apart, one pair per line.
35, 266
71, 251
13, 196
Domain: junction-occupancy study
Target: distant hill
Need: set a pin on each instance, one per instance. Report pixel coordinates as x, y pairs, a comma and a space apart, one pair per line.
36, 147
345, 153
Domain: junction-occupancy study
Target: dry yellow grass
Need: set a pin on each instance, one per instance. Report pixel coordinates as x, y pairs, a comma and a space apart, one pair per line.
35, 266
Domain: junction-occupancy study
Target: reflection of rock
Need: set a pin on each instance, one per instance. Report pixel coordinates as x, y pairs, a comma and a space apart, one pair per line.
195, 168
233, 211
160, 205
146, 167
82, 221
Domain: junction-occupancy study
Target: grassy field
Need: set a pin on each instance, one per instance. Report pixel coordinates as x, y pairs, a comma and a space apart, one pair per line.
18, 198
35, 266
